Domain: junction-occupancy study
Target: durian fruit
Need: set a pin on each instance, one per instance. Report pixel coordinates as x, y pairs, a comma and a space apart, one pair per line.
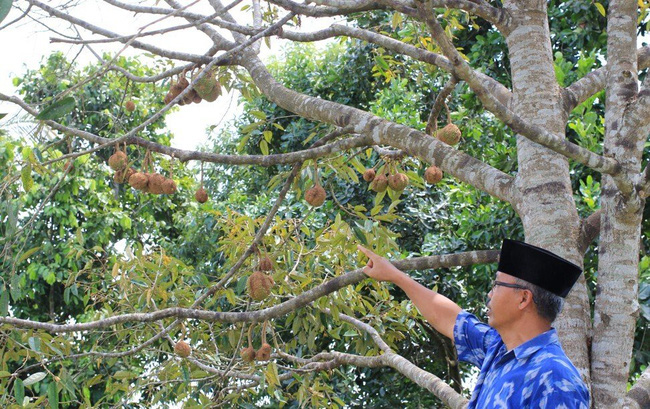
69, 165
183, 83
168, 98
398, 181
433, 175
182, 349
156, 181
208, 87
201, 195
129, 106
139, 181
248, 354
315, 196
450, 134
259, 285
369, 175
118, 160
265, 264
212, 95
169, 187
122, 176
379, 184
264, 353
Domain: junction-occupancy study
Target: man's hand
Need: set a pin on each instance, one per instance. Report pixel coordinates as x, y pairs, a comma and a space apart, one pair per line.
440, 311
378, 267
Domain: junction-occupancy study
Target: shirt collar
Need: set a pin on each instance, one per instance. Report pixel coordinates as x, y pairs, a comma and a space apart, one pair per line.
529, 347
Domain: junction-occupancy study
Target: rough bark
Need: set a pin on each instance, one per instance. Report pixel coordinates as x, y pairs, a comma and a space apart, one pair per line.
616, 306
547, 208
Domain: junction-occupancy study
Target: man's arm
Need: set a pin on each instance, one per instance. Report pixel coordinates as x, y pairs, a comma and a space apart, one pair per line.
437, 309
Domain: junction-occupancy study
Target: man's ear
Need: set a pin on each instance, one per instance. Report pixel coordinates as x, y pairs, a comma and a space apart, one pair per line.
526, 299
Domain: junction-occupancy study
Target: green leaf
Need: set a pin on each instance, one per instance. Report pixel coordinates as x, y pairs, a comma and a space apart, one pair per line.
259, 115
53, 396
5, 7
264, 147
4, 302
28, 253
601, 9
33, 378
35, 344
26, 177
19, 391
57, 109
2, 115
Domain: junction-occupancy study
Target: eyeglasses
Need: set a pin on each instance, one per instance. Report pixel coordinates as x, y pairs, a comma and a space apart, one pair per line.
502, 284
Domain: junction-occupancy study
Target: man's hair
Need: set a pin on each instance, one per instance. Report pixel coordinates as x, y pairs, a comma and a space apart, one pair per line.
548, 304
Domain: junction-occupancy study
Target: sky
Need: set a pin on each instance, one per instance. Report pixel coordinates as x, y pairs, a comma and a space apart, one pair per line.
25, 43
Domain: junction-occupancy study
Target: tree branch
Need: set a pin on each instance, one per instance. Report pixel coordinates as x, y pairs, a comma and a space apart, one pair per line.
492, 86
137, 44
497, 16
415, 143
639, 394
534, 133
353, 277
595, 81
432, 122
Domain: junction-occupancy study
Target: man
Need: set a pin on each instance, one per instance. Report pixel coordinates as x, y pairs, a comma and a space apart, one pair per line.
522, 363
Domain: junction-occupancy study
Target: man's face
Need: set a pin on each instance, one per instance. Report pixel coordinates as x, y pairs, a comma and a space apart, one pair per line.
503, 302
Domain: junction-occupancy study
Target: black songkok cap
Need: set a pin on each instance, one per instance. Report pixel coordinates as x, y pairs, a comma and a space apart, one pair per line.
538, 266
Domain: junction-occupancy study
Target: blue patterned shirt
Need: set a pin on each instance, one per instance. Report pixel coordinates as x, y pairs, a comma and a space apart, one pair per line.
536, 374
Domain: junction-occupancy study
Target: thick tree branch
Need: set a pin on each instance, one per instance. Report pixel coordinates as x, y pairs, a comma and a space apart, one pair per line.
326, 11
497, 16
418, 375
535, 133
595, 81
353, 277
415, 143
185, 155
639, 394
492, 86
589, 229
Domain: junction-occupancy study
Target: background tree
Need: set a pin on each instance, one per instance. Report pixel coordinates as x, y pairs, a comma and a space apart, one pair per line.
543, 98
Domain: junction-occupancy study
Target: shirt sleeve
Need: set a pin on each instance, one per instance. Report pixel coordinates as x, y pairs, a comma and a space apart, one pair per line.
472, 338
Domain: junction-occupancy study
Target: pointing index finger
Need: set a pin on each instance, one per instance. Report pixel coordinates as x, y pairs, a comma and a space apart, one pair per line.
367, 252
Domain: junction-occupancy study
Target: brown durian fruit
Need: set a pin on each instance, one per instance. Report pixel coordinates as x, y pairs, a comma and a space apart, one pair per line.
118, 160
259, 285
197, 98
156, 181
398, 181
183, 83
189, 97
450, 134
168, 98
433, 175
139, 181
182, 349
315, 196
176, 89
248, 354
264, 353
129, 106
201, 195
122, 176
379, 184
369, 175
69, 165
169, 187
265, 264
